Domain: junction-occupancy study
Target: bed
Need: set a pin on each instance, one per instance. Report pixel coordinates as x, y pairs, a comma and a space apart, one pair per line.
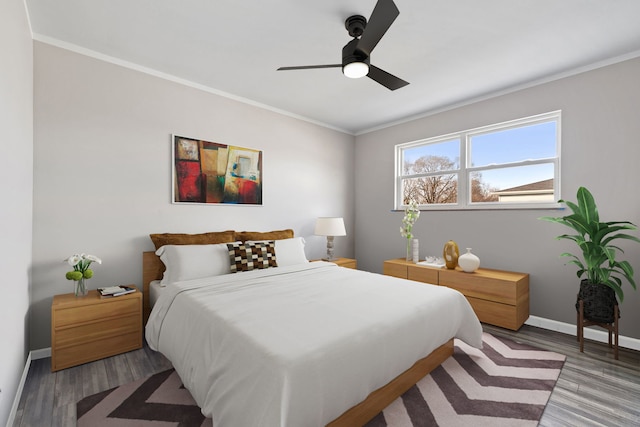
304, 343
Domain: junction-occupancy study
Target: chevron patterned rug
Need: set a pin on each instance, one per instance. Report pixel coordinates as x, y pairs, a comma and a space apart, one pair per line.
504, 384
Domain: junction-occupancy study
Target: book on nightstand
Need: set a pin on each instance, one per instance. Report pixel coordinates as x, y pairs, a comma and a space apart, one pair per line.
116, 291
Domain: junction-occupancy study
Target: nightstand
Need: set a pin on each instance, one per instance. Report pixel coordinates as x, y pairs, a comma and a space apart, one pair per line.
84, 329
343, 262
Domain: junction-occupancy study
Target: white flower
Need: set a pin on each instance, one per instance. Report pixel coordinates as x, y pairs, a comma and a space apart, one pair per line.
73, 260
411, 215
93, 258
81, 263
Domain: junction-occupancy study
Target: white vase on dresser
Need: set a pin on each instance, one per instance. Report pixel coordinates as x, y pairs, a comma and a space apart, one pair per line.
469, 262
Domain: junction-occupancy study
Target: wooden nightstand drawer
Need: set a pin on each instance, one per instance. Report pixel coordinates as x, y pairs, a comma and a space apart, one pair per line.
96, 312
83, 353
87, 332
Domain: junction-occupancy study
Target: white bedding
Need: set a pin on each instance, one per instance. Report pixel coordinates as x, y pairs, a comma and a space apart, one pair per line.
155, 289
297, 346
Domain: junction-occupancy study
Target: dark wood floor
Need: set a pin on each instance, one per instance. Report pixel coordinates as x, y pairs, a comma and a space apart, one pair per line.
593, 388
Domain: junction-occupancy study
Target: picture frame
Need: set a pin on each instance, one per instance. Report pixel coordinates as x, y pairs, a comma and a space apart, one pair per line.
206, 172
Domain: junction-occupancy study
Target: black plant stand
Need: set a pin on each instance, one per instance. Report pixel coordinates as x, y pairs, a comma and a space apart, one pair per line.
611, 327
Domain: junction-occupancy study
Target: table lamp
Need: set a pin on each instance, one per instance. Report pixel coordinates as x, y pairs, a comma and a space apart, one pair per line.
330, 227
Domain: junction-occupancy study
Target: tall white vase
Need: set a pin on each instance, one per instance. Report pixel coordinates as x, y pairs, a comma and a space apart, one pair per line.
469, 262
415, 250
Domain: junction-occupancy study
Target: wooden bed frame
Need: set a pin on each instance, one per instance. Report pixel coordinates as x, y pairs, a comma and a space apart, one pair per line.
152, 269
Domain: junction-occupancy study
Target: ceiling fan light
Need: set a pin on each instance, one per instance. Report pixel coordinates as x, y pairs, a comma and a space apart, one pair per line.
355, 70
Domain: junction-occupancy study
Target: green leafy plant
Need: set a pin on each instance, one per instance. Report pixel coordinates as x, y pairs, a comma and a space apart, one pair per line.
594, 238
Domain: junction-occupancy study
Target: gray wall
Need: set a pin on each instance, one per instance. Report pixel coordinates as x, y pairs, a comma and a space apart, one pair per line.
103, 171
16, 178
600, 150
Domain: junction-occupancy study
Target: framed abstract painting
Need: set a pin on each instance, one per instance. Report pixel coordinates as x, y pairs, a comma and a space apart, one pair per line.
211, 173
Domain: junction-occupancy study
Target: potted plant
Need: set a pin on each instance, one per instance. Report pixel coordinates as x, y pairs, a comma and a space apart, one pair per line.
603, 272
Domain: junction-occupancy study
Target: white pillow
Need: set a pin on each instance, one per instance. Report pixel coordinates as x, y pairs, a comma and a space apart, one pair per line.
290, 251
186, 262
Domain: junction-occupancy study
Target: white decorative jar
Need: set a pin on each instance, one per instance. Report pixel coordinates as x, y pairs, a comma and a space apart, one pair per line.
468, 262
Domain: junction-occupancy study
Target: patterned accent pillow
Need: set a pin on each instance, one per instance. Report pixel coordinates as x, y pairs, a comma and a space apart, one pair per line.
252, 255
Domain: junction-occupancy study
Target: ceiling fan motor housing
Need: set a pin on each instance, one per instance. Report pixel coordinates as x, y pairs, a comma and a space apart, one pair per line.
355, 25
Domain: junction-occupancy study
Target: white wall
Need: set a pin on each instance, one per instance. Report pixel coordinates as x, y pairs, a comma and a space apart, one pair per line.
600, 150
102, 176
16, 183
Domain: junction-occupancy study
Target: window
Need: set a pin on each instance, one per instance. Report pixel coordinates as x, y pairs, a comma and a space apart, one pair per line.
514, 164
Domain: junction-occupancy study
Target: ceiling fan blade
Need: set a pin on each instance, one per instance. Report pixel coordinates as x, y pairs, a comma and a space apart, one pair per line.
383, 15
308, 67
387, 80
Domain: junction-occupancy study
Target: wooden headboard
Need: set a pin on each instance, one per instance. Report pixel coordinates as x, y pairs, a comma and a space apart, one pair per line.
152, 269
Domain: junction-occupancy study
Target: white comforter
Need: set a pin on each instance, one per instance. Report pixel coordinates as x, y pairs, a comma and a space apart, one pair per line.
297, 346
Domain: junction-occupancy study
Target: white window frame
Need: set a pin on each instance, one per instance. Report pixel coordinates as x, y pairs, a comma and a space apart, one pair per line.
463, 195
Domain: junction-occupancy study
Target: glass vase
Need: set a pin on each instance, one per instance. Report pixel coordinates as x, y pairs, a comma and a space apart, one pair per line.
409, 254
81, 287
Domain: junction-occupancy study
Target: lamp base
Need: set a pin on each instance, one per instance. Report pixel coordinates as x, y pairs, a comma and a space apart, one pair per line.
330, 256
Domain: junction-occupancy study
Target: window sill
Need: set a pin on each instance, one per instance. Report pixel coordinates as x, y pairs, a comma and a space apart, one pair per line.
511, 207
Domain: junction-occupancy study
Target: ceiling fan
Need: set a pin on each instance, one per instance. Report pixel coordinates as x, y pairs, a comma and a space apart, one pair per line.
356, 54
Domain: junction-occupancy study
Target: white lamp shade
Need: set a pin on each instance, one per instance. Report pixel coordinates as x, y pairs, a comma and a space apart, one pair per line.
355, 70
330, 227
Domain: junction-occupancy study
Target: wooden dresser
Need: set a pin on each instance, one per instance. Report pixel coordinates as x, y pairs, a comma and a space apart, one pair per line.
500, 298
84, 329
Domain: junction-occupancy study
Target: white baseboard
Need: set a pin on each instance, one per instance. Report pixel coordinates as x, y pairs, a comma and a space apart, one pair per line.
599, 335
33, 355
16, 400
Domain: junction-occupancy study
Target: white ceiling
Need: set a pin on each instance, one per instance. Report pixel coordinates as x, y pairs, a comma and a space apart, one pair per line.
451, 52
